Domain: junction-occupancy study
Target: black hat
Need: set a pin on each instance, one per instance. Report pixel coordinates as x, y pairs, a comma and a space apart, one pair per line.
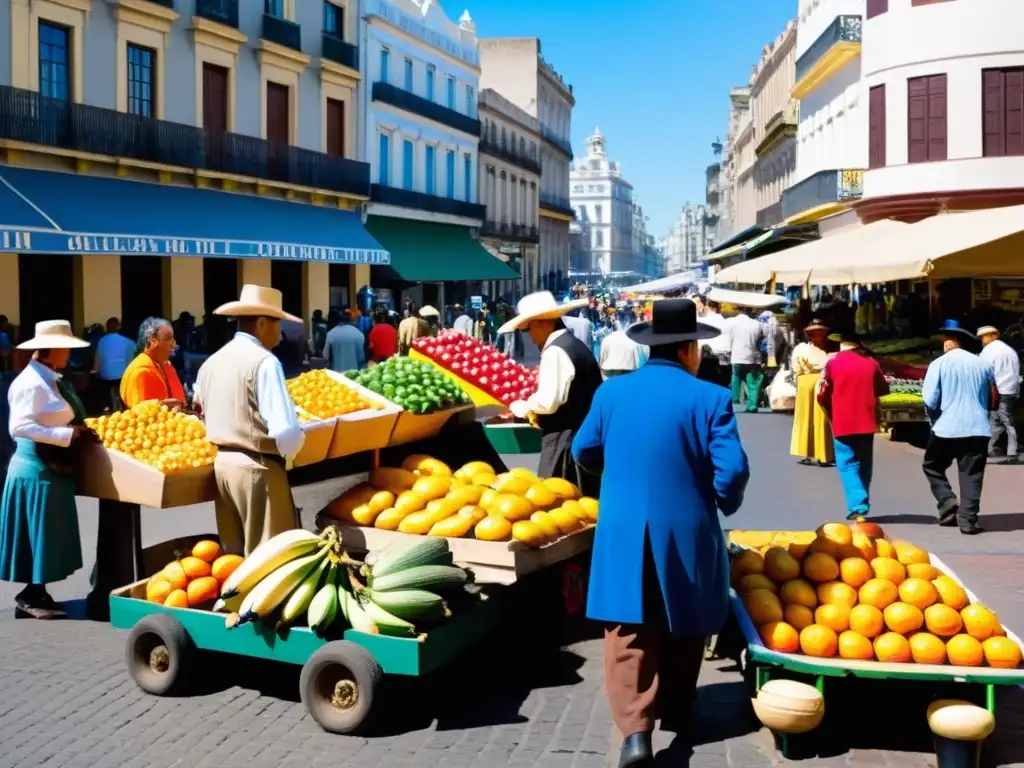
953, 330
672, 321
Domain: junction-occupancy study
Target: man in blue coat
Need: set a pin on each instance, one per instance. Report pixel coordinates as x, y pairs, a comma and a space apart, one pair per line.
671, 457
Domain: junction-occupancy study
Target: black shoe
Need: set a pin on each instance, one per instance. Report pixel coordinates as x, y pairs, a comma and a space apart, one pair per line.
947, 519
971, 530
636, 750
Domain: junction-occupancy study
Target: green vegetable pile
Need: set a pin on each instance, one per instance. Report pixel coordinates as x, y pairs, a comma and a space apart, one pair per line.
410, 384
902, 400
905, 387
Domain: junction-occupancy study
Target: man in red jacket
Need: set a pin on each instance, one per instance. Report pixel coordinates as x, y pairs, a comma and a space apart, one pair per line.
851, 384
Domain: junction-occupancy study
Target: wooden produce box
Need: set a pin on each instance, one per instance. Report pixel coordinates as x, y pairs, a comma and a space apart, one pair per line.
319, 434
492, 562
367, 430
104, 474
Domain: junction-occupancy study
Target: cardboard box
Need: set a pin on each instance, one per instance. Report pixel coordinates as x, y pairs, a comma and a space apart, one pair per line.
367, 430
104, 474
319, 434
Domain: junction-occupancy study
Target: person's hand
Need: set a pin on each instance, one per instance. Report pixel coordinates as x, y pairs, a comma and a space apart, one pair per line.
174, 404
82, 434
520, 408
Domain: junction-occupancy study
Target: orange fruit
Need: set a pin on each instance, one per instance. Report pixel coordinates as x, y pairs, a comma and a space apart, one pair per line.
892, 647
926, 648
763, 606
780, 565
823, 546
964, 651
798, 592
800, 545
224, 566
834, 616
780, 636
903, 618
855, 571
889, 569
798, 616
194, 568
157, 590
853, 645
202, 590
950, 593
918, 593
885, 548
925, 571
748, 561
819, 641
838, 533
979, 621
174, 574
837, 592
206, 550
908, 553
942, 620
1001, 652
865, 546
754, 581
177, 599
820, 567
867, 620
878, 592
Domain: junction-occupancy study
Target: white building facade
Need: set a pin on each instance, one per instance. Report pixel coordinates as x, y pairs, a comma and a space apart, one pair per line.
689, 240
739, 106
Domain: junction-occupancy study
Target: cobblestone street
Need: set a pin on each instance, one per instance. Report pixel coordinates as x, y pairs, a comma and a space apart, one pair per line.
518, 700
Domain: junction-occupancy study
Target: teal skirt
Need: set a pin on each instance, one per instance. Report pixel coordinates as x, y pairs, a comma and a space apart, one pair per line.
39, 539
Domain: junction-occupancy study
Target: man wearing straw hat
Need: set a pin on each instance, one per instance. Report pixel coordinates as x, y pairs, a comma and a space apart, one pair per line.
250, 417
1006, 363
568, 377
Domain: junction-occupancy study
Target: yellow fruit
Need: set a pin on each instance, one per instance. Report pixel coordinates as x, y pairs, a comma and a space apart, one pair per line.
493, 528
341, 508
410, 501
867, 620
474, 513
473, 468
853, 645
889, 569
487, 497
441, 508
865, 546
964, 651
430, 487
799, 616
1001, 653
834, 616
380, 501
566, 521
979, 621
224, 566
942, 620
542, 497
206, 550
800, 544
818, 641
926, 648
780, 565
880, 593
824, 546
855, 571
838, 533
364, 514
562, 488
205, 589
748, 561
903, 618
174, 575
908, 553
423, 465
467, 494
483, 478
391, 479
177, 599
763, 606
918, 592
194, 568
574, 508
506, 483
528, 533
950, 593
389, 519
780, 636
157, 590
511, 507
892, 647
589, 506
543, 521
819, 567
454, 527
417, 523
524, 473
885, 548
756, 581
798, 592
925, 571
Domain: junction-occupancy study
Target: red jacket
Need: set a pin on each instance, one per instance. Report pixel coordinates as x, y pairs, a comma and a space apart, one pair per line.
851, 384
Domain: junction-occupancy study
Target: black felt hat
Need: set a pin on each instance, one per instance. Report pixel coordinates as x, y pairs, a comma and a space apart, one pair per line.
672, 321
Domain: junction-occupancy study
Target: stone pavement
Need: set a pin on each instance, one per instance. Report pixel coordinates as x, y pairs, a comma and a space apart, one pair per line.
518, 700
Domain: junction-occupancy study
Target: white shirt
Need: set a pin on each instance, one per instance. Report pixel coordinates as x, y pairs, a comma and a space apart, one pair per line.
581, 328
113, 353
1002, 357
275, 404
38, 411
621, 353
554, 376
745, 335
719, 345
463, 324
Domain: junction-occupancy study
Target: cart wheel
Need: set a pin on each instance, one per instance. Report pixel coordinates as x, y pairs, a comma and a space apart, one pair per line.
338, 685
574, 589
159, 654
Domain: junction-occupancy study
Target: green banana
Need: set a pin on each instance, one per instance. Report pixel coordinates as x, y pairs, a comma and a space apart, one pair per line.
324, 609
300, 599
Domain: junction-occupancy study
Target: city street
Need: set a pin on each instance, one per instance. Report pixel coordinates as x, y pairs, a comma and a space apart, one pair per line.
520, 700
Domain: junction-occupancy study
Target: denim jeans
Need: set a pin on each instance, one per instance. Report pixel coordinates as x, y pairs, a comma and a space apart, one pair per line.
855, 461
1001, 420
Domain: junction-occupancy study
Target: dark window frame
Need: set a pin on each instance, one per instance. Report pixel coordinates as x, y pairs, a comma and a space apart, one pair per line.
876, 8
139, 102
274, 8
334, 20
877, 142
1002, 111
52, 86
928, 87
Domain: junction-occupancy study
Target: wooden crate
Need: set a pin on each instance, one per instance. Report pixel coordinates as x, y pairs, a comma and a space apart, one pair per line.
319, 434
105, 474
366, 430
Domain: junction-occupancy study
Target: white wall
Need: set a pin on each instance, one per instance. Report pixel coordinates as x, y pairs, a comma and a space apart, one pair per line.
958, 39
833, 125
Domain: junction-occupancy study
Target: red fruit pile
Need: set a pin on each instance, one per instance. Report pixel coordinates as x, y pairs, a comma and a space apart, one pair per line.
484, 367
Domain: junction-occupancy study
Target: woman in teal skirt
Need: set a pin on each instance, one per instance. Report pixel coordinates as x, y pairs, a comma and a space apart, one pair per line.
39, 539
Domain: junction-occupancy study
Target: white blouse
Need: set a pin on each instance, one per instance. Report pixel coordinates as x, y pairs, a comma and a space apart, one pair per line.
554, 377
38, 411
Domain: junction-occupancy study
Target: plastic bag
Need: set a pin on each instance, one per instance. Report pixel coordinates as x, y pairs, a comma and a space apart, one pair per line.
782, 392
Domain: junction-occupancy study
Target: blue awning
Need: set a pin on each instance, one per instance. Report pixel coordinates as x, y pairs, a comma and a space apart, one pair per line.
52, 212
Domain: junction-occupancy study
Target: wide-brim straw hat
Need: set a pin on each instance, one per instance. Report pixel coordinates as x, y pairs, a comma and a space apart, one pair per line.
257, 301
541, 305
987, 330
54, 334
428, 311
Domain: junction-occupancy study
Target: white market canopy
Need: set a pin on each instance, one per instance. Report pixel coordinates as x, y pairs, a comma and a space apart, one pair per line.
670, 283
745, 298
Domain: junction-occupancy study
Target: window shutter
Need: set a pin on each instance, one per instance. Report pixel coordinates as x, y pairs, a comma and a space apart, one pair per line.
876, 127
876, 7
917, 120
993, 88
1014, 111
937, 117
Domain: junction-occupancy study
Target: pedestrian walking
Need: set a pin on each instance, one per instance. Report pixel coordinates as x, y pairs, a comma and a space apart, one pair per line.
812, 436
746, 335
1006, 363
851, 384
958, 390
113, 354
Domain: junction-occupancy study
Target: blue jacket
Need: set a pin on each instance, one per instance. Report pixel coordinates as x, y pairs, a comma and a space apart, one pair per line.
672, 459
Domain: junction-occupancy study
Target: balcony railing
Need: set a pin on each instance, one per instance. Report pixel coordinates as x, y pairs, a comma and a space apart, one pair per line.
555, 139
410, 102
28, 117
823, 187
221, 11
713, 170
337, 50
404, 198
843, 29
282, 32
506, 231
510, 153
770, 216
557, 204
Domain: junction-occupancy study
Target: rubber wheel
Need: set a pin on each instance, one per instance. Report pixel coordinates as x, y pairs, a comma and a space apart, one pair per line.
339, 685
159, 654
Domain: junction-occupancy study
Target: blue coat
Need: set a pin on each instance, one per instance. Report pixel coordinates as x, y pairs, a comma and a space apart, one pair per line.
671, 456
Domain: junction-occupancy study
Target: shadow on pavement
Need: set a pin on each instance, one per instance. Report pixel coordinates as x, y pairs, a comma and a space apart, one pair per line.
1001, 522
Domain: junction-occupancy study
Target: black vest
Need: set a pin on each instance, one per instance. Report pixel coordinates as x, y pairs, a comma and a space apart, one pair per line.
581, 392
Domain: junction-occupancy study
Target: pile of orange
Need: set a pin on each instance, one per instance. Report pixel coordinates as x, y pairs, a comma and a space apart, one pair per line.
320, 395
193, 580
166, 440
841, 592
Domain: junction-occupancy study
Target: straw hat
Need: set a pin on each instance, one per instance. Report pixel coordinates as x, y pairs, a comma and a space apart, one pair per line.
54, 334
428, 311
987, 330
541, 305
816, 325
257, 301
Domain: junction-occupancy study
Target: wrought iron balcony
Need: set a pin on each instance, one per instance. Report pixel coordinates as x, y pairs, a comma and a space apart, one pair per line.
282, 32
770, 216
404, 198
337, 50
557, 204
510, 153
410, 102
28, 117
222, 11
843, 29
506, 231
557, 140
823, 187
713, 170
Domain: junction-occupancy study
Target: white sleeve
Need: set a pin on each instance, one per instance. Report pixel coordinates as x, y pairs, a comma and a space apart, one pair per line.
554, 377
25, 403
277, 409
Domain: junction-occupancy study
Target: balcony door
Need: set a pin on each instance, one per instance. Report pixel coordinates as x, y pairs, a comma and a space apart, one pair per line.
215, 113
335, 127
278, 120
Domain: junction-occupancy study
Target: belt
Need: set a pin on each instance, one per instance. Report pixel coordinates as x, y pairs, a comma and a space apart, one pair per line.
254, 455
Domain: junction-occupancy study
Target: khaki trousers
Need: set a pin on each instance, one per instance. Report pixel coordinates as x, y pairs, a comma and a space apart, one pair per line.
254, 501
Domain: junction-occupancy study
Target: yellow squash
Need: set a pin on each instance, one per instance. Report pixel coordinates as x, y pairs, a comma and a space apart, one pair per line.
566, 521
392, 479
432, 487
410, 501
469, 494
528, 533
389, 519
493, 528
474, 468
543, 521
455, 527
562, 488
512, 508
426, 465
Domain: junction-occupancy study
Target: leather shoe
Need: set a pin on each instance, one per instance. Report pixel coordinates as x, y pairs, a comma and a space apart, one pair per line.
636, 750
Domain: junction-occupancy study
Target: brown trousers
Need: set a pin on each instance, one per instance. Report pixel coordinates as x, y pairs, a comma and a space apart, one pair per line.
254, 501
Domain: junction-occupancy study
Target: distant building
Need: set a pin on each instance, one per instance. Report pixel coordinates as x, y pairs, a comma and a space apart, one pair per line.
739, 105
690, 239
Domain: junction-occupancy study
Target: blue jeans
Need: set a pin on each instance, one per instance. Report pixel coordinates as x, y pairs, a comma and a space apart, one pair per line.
855, 460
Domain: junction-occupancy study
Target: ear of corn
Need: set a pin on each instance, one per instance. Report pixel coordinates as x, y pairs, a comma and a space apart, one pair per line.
428, 577
402, 555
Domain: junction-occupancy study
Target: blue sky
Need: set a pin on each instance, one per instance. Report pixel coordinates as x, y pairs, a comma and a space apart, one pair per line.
654, 75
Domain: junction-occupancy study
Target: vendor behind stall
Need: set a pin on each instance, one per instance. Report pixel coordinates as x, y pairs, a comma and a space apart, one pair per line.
250, 417
568, 377
39, 539
150, 376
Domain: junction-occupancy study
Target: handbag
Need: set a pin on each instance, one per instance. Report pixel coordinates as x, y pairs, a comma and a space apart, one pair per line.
782, 392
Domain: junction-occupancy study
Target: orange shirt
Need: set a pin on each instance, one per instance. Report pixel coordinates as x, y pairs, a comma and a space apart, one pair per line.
145, 379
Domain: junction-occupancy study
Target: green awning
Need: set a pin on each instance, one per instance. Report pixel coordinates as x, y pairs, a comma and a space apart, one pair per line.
423, 252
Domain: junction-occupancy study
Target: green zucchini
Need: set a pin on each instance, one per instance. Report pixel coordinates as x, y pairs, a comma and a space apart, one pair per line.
427, 577
402, 555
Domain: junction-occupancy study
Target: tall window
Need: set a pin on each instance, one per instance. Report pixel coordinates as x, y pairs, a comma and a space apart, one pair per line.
1002, 103
876, 7
467, 169
470, 104
334, 20
54, 61
408, 76
449, 173
876, 127
598, 238
274, 8
598, 214
926, 119
385, 64
430, 82
384, 160
451, 93
141, 77
407, 161
335, 127
430, 165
